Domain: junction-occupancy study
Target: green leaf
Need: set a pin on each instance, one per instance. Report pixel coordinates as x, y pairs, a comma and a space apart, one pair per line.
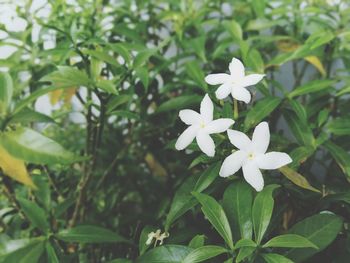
262, 211
32, 97
297, 178
179, 103
182, 201
234, 29
120, 260
27, 116
203, 253
320, 229
245, 243
67, 77
244, 252
122, 51
143, 238
90, 234
216, 216
207, 177
275, 258
194, 72
31, 146
35, 214
289, 240
143, 56
107, 86
28, 254
143, 75
300, 129
6, 91
116, 101
125, 114
341, 156
237, 203
197, 241
51, 253
260, 110
312, 86
165, 254
299, 110
339, 126
102, 55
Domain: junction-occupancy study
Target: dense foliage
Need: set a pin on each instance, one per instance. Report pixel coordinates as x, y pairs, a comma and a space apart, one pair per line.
94, 176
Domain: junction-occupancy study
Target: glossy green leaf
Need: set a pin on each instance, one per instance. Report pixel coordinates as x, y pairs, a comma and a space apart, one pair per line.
275, 258
339, 126
260, 110
51, 253
289, 240
341, 156
207, 177
203, 253
197, 241
102, 55
90, 234
116, 101
182, 201
300, 129
320, 229
143, 56
165, 254
27, 116
216, 215
143, 75
312, 86
67, 77
35, 214
31, 146
6, 91
234, 29
244, 252
245, 243
179, 103
107, 86
237, 203
262, 211
28, 254
195, 73
33, 96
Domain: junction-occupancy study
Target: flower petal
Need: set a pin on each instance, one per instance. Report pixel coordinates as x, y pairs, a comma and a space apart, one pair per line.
207, 109
190, 117
239, 139
206, 143
232, 163
251, 79
223, 91
261, 137
253, 176
236, 68
186, 138
273, 160
215, 79
241, 94
219, 125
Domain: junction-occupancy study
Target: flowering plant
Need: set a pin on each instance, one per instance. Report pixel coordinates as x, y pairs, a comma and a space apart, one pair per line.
128, 133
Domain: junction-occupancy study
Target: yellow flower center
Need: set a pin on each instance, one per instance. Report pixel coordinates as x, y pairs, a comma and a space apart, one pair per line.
251, 156
202, 125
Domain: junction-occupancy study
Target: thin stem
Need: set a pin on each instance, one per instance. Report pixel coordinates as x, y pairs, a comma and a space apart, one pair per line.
235, 109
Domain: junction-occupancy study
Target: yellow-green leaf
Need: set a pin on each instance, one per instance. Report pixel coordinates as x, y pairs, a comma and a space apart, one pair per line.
316, 62
297, 178
14, 168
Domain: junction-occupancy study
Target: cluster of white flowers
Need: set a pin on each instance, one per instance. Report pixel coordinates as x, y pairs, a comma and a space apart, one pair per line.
251, 154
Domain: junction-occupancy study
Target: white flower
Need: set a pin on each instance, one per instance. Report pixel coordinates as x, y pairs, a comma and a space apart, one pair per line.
201, 125
157, 236
252, 156
235, 83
